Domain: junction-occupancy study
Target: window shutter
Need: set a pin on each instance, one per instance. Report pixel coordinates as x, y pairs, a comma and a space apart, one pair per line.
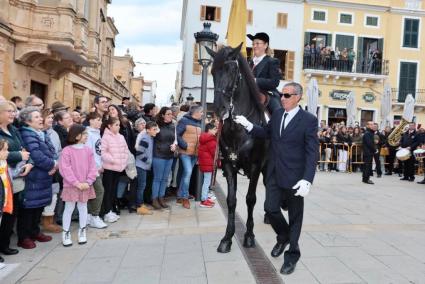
284, 20
196, 65
217, 14
203, 12
290, 63
307, 38
250, 17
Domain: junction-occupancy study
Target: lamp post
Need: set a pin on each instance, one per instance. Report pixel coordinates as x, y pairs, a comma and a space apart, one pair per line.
204, 38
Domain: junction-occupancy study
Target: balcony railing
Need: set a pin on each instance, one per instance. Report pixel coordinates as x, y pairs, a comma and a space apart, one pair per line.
399, 96
327, 63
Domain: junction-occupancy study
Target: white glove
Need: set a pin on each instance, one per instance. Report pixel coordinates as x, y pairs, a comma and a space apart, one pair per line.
244, 122
303, 187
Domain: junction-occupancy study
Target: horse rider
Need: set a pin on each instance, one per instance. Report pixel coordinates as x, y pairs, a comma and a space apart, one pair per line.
266, 69
294, 148
408, 141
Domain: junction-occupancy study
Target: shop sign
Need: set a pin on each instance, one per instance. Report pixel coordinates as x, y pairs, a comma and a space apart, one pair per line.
369, 97
339, 95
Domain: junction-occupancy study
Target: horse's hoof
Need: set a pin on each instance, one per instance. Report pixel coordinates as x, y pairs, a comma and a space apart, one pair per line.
224, 246
249, 242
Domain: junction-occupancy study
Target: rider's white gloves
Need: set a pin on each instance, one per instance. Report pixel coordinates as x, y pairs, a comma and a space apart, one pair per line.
303, 187
244, 122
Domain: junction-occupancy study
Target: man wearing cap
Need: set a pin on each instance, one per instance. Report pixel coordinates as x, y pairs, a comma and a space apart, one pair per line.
58, 106
266, 69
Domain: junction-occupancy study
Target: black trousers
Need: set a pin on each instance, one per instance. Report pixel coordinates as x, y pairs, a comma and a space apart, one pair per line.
110, 184
377, 163
409, 167
275, 197
29, 222
8, 223
389, 160
367, 167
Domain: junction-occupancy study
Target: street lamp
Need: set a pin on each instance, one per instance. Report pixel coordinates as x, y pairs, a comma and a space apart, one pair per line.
204, 38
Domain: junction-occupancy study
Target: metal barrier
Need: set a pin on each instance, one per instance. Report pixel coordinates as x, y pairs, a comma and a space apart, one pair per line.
334, 156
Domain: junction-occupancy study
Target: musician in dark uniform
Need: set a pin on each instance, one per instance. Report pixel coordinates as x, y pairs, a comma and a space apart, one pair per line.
420, 143
266, 69
369, 150
408, 141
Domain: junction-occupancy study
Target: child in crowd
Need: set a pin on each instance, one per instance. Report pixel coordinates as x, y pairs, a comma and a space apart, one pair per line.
114, 157
144, 156
6, 194
78, 169
206, 153
94, 143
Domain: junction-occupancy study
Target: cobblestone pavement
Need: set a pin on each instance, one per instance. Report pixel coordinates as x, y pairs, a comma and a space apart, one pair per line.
352, 233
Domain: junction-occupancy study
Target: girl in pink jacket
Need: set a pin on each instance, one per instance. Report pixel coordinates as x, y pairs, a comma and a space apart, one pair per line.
114, 157
79, 171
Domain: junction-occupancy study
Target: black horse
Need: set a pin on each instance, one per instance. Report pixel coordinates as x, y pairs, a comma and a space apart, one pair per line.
236, 93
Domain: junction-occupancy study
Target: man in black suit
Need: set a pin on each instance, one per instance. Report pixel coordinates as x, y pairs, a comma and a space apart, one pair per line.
266, 69
408, 141
294, 150
369, 151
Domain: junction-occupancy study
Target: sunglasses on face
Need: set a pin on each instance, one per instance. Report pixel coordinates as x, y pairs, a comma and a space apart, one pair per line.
286, 95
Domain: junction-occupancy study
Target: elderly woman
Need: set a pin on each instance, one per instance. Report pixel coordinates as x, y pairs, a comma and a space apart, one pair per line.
17, 154
188, 132
38, 183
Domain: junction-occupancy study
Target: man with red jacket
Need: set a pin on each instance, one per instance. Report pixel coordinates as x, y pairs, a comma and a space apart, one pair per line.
206, 153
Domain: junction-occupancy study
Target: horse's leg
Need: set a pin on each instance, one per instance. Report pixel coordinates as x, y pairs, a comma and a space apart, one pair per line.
251, 199
226, 241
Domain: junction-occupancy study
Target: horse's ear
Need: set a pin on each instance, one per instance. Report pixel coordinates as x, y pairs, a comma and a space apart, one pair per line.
235, 52
211, 52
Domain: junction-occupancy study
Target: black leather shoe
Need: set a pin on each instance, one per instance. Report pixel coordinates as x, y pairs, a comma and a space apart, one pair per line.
368, 182
288, 268
404, 178
412, 179
379, 175
388, 174
9, 251
278, 249
421, 182
1, 259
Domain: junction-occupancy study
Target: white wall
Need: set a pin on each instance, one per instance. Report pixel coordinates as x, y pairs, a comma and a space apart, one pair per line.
264, 20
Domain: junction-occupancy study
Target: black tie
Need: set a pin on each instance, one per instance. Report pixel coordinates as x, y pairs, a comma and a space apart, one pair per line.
282, 125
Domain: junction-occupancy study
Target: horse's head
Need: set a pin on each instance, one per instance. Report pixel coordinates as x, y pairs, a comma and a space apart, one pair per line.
226, 76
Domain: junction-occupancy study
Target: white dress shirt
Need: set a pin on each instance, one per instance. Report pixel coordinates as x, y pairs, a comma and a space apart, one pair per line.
257, 60
289, 117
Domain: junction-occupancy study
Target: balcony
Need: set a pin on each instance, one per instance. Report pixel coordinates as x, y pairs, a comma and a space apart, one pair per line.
399, 96
357, 70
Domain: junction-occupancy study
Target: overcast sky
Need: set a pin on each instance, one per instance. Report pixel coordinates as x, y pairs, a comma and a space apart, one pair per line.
151, 30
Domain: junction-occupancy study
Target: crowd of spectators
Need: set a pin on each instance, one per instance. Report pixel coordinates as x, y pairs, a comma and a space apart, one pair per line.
54, 160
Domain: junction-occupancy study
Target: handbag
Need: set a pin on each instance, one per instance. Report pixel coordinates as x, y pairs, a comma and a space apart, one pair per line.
384, 151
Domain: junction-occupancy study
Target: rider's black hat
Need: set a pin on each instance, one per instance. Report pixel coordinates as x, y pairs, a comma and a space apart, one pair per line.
262, 36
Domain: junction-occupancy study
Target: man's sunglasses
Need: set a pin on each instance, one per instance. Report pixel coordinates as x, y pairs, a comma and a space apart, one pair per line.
286, 95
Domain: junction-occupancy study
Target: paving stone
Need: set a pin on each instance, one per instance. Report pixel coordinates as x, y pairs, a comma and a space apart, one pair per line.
234, 272
145, 275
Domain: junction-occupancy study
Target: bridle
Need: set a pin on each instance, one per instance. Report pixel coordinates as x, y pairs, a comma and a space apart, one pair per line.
235, 85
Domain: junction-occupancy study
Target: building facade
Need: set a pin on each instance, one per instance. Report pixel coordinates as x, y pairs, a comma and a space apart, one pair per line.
58, 50
149, 91
280, 19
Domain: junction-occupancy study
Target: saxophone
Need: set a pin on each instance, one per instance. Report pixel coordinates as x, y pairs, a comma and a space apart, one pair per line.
395, 136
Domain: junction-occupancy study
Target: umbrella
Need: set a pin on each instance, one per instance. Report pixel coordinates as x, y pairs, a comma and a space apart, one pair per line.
351, 110
409, 108
312, 97
386, 119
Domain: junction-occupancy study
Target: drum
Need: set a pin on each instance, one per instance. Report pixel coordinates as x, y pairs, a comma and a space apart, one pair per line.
419, 153
403, 154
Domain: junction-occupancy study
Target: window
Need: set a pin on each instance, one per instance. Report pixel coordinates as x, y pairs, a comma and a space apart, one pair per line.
344, 41
250, 17
319, 15
210, 13
372, 21
196, 66
282, 20
407, 80
289, 65
345, 18
411, 33
365, 116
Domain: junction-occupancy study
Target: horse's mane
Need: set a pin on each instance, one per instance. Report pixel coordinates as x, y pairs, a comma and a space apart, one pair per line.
254, 91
